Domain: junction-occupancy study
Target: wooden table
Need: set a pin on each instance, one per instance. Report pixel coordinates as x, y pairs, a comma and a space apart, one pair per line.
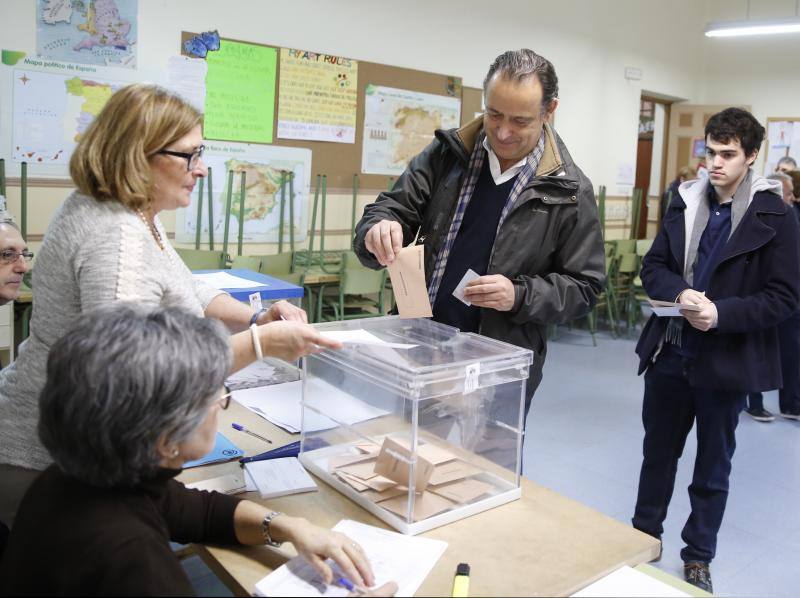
542, 544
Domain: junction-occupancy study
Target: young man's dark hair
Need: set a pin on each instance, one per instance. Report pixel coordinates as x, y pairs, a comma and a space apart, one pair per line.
735, 123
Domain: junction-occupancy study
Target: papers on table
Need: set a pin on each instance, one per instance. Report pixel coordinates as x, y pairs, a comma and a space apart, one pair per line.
669, 309
224, 450
232, 483
408, 282
262, 373
362, 337
629, 582
279, 477
223, 280
280, 404
406, 560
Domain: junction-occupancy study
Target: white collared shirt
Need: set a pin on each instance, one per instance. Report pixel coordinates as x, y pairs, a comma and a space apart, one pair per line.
494, 166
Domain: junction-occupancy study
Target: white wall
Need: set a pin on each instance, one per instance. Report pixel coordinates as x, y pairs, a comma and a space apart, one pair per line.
763, 72
590, 43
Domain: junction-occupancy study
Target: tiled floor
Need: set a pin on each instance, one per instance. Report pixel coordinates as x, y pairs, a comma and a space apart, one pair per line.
584, 440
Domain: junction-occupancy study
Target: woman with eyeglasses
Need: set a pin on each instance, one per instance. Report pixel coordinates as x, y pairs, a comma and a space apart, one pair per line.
139, 158
15, 259
131, 395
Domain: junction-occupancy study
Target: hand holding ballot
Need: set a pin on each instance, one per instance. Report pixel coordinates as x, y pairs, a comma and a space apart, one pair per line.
705, 317
384, 240
494, 291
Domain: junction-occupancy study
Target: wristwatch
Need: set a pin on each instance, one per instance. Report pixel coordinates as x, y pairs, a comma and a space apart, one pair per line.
254, 317
265, 529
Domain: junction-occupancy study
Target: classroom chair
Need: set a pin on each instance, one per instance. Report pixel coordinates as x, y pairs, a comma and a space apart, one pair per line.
359, 293
201, 259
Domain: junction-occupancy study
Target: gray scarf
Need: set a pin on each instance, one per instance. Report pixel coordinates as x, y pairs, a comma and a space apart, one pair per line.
738, 209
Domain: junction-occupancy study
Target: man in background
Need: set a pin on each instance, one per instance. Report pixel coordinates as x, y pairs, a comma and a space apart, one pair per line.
687, 173
728, 249
789, 339
786, 164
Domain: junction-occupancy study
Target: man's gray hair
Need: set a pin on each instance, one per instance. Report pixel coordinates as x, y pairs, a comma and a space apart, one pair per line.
787, 160
122, 378
6, 218
520, 64
779, 176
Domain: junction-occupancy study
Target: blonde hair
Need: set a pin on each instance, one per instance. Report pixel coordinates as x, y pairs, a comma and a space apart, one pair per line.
111, 160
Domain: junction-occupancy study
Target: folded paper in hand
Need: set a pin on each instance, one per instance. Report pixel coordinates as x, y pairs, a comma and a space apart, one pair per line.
670, 309
408, 282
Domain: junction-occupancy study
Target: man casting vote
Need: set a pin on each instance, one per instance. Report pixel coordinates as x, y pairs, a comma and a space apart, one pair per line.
501, 197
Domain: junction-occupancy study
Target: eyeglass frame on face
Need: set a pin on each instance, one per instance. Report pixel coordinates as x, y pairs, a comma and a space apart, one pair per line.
5, 256
225, 400
192, 158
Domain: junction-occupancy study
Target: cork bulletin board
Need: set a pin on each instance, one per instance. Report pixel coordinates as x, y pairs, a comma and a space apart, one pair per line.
340, 161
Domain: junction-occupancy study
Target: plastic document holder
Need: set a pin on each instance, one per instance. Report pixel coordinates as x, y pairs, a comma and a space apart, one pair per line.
444, 436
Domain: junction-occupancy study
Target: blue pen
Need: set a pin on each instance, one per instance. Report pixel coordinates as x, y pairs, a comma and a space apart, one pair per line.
288, 450
348, 585
241, 428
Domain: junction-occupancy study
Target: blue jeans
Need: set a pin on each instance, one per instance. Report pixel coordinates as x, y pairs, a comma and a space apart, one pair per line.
670, 408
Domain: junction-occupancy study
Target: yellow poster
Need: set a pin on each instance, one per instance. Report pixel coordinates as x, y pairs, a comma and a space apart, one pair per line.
317, 97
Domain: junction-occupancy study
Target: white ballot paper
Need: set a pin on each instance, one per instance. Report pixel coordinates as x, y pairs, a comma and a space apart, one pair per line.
280, 404
406, 560
629, 582
669, 309
362, 337
223, 280
407, 272
458, 292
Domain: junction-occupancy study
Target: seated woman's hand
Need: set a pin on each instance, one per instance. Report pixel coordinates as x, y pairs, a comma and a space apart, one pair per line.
290, 340
283, 310
317, 544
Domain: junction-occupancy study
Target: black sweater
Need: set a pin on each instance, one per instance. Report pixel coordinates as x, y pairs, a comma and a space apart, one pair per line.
70, 538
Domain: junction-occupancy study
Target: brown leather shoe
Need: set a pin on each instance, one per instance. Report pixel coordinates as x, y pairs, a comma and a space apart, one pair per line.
698, 574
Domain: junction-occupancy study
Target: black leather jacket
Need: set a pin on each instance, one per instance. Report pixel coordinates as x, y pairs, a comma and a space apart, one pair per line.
550, 244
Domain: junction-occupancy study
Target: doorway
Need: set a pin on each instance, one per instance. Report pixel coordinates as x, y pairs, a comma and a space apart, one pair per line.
651, 162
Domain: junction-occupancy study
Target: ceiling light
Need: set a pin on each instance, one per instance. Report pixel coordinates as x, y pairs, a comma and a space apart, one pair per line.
739, 28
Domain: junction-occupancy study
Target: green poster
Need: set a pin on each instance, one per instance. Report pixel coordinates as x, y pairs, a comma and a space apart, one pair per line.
240, 93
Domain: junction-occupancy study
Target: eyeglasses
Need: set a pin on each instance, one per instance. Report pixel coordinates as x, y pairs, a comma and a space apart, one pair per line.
192, 158
9, 256
225, 400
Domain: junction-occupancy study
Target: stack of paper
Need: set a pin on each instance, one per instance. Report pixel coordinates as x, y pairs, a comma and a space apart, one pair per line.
262, 373
406, 560
629, 582
279, 477
223, 280
442, 481
281, 405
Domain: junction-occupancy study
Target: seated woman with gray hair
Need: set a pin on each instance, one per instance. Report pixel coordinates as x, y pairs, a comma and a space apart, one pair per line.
130, 396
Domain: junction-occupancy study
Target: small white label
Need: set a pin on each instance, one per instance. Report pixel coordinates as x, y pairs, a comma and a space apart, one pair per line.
471, 375
255, 301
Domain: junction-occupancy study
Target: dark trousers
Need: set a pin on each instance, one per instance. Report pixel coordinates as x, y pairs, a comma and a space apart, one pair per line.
669, 410
789, 394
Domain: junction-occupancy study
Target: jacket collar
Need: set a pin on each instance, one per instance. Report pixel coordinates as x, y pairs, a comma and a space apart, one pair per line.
551, 162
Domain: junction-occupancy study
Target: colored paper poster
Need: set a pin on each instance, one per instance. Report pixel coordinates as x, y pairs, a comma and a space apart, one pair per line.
263, 166
398, 124
317, 97
87, 31
52, 110
240, 92
780, 134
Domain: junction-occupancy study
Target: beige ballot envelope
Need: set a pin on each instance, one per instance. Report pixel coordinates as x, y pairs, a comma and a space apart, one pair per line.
408, 282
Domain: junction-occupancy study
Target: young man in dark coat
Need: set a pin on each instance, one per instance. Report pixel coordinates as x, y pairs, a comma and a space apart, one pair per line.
728, 246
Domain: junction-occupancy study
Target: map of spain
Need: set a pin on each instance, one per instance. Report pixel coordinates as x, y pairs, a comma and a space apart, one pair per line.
88, 31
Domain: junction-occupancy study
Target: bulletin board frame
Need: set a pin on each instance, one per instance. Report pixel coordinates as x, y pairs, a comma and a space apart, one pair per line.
771, 157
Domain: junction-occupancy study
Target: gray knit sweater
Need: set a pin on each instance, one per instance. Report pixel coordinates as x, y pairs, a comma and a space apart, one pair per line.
94, 253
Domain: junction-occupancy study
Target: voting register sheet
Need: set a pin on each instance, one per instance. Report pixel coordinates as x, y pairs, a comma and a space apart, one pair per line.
406, 560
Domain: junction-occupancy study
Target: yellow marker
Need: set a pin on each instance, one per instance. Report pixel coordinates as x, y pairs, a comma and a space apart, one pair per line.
461, 580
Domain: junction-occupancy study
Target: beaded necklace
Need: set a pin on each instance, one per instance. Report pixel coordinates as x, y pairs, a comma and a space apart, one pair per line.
152, 228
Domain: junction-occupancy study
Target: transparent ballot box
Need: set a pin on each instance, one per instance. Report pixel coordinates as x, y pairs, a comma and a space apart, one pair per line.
417, 422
